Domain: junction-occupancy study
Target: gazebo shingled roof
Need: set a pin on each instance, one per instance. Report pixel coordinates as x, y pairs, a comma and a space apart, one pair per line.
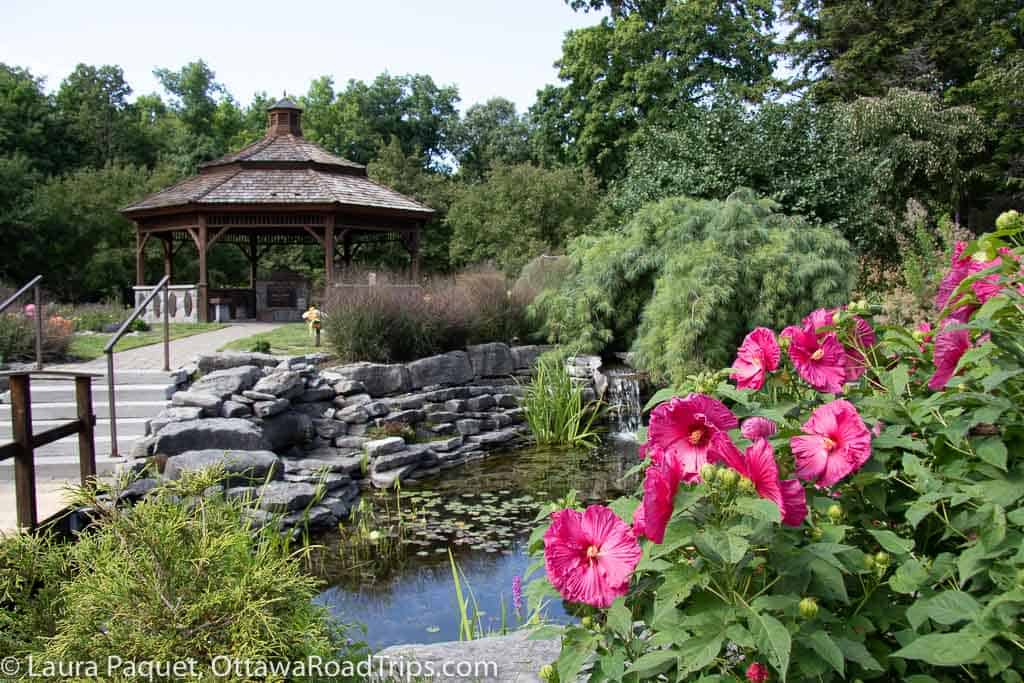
282, 189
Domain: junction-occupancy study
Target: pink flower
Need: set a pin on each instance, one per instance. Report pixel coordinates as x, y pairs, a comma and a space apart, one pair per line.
757, 673
961, 268
758, 428
950, 347
835, 443
30, 310
819, 362
682, 428
661, 481
590, 556
757, 356
856, 361
758, 465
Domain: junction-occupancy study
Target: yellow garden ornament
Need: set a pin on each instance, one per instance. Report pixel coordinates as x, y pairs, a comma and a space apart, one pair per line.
312, 318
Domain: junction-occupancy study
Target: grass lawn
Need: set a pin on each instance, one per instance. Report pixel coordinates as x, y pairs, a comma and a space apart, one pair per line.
290, 339
89, 346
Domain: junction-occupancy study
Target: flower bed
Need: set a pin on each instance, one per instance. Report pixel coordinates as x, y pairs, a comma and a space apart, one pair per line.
851, 508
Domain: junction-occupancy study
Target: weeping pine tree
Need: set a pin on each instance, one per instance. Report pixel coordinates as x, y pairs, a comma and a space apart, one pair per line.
685, 279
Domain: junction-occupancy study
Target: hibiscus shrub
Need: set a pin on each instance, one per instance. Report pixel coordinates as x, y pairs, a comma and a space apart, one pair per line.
788, 533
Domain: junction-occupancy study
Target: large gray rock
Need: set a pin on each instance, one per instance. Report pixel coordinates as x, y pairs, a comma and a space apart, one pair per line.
220, 433
287, 384
209, 362
271, 408
491, 360
321, 410
447, 368
404, 417
516, 658
384, 446
209, 403
347, 387
223, 383
243, 467
379, 380
288, 429
410, 454
235, 409
279, 496
525, 357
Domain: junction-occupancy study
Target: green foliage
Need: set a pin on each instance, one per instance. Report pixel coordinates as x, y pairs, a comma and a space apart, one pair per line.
555, 409
261, 345
163, 582
491, 133
645, 60
519, 212
913, 572
686, 279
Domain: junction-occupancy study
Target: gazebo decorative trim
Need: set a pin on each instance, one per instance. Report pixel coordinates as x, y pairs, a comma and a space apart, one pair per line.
282, 189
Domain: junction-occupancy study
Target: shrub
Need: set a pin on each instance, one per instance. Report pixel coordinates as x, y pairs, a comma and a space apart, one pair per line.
18, 337
684, 280
163, 582
902, 562
260, 346
389, 323
93, 317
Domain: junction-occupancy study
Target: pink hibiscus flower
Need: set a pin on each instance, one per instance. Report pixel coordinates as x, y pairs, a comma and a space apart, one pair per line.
661, 481
856, 361
962, 267
682, 428
821, 362
758, 428
757, 673
757, 356
835, 443
758, 465
590, 556
950, 347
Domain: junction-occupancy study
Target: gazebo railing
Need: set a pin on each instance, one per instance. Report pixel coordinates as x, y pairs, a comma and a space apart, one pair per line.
109, 350
34, 282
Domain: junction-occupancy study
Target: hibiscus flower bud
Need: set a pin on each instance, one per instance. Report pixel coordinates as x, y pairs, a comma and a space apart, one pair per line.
727, 477
586, 622
547, 674
757, 673
868, 561
708, 472
808, 608
747, 487
1020, 578
882, 559
816, 533
835, 513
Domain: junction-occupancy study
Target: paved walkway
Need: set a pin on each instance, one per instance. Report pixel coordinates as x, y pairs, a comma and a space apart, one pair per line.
183, 350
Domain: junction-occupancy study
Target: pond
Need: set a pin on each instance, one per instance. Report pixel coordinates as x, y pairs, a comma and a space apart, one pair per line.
396, 577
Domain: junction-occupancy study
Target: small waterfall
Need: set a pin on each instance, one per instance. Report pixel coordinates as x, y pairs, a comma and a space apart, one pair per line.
623, 402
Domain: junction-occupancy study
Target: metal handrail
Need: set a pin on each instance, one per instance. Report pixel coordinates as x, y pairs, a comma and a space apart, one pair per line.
34, 282
109, 350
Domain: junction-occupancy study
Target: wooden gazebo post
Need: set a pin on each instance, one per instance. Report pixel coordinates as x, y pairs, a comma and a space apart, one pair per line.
328, 257
204, 308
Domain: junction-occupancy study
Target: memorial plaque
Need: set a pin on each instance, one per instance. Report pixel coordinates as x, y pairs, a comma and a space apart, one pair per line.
280, 296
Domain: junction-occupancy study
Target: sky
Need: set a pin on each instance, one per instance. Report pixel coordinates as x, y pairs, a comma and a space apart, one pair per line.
485, 47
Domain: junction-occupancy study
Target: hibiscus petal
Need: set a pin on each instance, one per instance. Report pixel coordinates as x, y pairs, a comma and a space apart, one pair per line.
811, 456
794, 502
764, 471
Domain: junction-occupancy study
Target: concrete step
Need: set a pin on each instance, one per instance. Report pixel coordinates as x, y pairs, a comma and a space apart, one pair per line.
69, 446
68, 410
126, 426
129, 377
64, 467
63, 393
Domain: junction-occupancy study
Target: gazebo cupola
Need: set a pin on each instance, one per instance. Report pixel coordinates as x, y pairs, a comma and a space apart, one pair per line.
280, 190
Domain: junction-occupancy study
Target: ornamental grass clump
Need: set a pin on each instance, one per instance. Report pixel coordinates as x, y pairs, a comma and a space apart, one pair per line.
181, 574
836, 514
556, 411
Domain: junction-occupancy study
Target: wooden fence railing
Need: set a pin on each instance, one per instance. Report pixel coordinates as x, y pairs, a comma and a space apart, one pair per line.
22, 449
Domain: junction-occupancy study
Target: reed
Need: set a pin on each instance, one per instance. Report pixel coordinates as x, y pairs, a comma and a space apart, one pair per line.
555, 408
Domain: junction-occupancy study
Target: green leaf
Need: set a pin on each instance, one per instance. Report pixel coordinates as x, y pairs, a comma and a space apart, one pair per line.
910, 576
826, 648
993, 451
661, 396
760, 509
773, 639
650, 664
993, 529
677, 585
697, 653
620, 619
945, 649
891, 542
972, 561
830, 580
946, 608
679, 533
613, 666
918, 510
577, 646
898, 441
858, 654
719, 545
998, 377
624, 507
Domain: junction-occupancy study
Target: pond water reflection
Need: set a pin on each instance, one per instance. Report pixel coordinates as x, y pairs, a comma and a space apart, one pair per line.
401, 586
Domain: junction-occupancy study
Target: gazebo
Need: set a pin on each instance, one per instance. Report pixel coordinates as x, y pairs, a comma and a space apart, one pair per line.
280, 190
